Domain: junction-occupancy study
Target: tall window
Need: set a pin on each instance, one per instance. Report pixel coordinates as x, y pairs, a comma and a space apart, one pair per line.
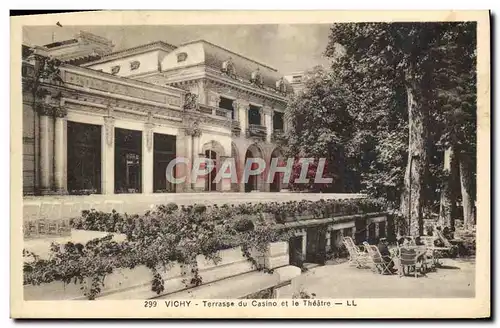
278, 121
227, 103
128, 161
210, 184
164, 153
254, 115
84, 158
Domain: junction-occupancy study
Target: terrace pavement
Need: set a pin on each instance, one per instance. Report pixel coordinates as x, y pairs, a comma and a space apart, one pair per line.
456, 279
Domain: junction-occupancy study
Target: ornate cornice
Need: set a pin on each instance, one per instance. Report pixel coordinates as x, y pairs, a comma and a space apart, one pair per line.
44, 109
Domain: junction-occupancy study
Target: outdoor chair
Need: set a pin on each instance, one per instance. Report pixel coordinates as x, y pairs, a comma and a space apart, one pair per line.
357, 257
408, 259
379, 265
431, 254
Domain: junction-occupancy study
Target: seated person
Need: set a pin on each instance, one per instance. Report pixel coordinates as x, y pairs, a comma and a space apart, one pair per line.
386, 255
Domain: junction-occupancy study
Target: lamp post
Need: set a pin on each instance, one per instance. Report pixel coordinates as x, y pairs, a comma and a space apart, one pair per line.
409, 191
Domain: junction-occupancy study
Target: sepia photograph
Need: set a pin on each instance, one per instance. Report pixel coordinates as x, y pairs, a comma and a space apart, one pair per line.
280, 165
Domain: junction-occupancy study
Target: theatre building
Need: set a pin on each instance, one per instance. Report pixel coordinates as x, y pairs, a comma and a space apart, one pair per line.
102, 122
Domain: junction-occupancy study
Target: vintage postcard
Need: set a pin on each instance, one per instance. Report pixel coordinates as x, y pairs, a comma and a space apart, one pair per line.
260, 164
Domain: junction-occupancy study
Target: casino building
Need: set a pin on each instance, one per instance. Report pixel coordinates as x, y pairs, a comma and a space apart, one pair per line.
102, 122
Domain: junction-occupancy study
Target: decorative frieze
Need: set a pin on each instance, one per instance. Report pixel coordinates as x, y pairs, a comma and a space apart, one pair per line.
44, 109
92, 82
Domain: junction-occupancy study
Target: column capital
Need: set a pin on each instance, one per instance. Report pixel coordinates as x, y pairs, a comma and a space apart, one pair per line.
148, 131
193, 129
60, 112
268, 110
241, 103
109, 126
44, 109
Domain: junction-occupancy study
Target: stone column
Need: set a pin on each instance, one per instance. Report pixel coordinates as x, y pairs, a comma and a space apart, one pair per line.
268, 122
46, 163
225, 182
183, 149
242, 108
304, 244
236, 111
199, 184
108, 156
60, 151
328, 240
367, 230
213, 99
147, 158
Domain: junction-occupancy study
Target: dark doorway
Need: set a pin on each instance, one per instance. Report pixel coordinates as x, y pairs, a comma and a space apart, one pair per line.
372, 236
295, 255
335, 240
128, 161
252, 183
164, 153
348, 232
275, 185
360, 231
210, 184
84, 158
316, 245
381, 230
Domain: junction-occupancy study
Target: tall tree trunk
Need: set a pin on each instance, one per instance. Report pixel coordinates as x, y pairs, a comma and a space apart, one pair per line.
447, 208
466, 181
416, 169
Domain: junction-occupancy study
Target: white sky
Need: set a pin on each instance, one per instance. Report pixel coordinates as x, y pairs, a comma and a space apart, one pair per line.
288, 48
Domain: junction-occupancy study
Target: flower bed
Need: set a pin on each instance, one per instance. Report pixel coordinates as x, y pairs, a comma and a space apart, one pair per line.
170, 237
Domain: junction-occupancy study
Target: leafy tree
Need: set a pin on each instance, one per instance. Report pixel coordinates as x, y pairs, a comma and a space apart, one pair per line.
390, 73
454, 85
319, 127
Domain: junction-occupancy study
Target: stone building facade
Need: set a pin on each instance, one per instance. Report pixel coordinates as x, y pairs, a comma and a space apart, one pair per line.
102, 122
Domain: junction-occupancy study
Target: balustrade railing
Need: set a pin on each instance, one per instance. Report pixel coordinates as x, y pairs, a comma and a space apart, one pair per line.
256, 130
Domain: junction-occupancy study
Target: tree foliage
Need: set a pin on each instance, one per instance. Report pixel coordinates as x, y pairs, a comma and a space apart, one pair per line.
407, 91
